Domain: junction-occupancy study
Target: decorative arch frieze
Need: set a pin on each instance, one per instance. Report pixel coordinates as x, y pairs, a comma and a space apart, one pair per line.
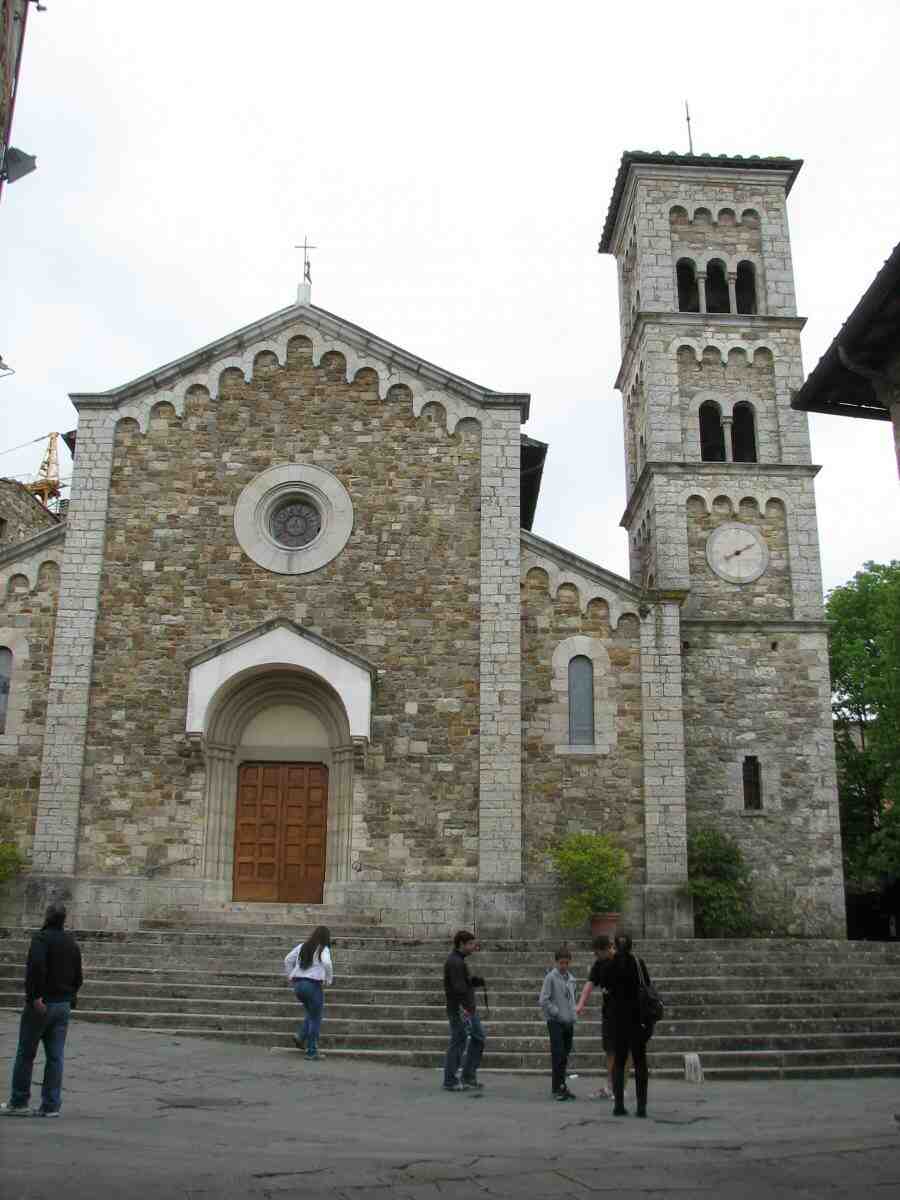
586, 588
389, 375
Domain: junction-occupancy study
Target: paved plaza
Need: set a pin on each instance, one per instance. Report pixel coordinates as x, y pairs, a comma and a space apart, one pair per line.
148, 1115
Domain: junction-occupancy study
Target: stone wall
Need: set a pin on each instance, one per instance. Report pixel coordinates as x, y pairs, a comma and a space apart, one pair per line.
764, 691
404, 593
21, 514
27, 619
570, 789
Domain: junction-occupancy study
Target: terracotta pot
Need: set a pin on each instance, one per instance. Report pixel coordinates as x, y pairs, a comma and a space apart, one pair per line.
604, 923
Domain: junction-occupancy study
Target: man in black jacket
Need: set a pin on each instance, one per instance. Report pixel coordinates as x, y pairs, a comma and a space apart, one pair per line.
52, 979
465, 1024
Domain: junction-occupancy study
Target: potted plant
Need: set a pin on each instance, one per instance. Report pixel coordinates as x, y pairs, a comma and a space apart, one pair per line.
593, 870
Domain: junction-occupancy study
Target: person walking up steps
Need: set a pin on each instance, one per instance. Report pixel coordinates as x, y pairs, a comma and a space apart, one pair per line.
52, 979
557, 1001
459, 990
309, 968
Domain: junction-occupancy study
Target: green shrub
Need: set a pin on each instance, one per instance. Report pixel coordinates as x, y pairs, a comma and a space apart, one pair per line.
593, 870
11, 861
719, 882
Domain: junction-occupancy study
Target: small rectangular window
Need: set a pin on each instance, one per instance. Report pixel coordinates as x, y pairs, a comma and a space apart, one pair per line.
752, 787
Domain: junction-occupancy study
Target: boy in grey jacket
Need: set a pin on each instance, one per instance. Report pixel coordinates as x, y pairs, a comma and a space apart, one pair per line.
557, 1001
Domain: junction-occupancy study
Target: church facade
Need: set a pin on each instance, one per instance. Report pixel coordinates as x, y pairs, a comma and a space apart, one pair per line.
296, 643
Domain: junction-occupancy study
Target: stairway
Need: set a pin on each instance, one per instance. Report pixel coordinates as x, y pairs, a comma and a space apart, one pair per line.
750, 1009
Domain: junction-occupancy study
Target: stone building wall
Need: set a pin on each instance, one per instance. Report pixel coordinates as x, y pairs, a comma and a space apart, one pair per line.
404, 593
29, 590
568, 790
21, 514
764, 691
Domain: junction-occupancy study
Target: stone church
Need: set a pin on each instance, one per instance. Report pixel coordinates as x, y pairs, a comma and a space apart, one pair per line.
295, 642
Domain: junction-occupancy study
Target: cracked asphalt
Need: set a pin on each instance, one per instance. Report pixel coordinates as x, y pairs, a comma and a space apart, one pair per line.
147, 1115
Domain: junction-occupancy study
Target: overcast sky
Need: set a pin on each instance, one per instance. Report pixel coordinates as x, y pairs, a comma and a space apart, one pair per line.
453, 163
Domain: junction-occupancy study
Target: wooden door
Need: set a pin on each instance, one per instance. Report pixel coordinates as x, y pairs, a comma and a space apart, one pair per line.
279, 845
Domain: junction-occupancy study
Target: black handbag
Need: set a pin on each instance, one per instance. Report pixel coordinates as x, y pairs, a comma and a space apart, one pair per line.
650, 1006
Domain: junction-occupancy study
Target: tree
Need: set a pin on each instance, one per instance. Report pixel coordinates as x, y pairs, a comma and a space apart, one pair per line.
864, 621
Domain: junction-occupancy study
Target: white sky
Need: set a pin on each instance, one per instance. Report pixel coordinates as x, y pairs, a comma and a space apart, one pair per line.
454, 164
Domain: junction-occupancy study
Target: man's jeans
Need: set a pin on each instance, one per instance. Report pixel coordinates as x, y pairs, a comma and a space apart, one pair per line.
463, 1028
309, 993
34, 1028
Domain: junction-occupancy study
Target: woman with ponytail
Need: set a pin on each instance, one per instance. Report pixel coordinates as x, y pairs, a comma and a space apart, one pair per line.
309, 968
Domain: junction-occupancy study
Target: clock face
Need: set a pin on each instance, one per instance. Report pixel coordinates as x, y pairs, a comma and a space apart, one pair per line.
737, 553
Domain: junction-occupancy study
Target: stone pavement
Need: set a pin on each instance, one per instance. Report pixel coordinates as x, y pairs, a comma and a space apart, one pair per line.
149, 1115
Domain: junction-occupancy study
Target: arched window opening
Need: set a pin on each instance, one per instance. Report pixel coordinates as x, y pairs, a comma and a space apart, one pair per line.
752, 784
581, 701
688, 292
642, 452
6, 659
743, 434
745, 288
712, 441
717, 288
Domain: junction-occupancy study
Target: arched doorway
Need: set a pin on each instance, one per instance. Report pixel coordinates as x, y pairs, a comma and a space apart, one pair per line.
279, 784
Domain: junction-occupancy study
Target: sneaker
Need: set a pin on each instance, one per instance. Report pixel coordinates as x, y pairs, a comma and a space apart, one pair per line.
312, 1056
453, 1087
603, 1093
620, 1112
46, 1112
472, 1085
15, 1110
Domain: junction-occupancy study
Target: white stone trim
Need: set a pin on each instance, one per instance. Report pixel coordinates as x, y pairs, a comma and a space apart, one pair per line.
254, 507
500, 727
280, 647
605, 734
389, 374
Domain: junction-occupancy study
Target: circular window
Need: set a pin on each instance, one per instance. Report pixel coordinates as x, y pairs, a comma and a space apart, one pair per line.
295, 522
293, 519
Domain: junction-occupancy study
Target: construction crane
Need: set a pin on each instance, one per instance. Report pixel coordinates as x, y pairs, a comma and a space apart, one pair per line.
47, 486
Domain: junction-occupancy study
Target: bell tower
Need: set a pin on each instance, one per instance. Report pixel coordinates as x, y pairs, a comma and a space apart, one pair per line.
720, 503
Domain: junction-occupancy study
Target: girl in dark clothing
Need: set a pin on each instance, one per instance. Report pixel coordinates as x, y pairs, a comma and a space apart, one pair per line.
619, 977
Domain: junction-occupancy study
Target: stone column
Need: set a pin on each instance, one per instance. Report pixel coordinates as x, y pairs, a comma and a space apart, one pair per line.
701, 289
500, 771
727, 425
68, 697
732, 292
667, 911
221, 794
340, 781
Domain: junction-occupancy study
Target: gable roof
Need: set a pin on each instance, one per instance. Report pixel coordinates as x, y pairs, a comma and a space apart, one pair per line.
734, 162
366, 344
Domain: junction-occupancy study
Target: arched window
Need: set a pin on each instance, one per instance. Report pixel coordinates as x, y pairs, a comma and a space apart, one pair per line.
688, 292
712, 441
581, 701
745, 287
6, 659
743, 434
717, 300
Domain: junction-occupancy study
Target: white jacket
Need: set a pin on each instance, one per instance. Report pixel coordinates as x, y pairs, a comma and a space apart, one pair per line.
320, 968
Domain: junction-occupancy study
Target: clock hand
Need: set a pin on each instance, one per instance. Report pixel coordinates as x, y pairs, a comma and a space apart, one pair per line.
741, 550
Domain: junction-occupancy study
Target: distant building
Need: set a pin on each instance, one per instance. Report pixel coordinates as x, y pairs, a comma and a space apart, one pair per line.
859, 373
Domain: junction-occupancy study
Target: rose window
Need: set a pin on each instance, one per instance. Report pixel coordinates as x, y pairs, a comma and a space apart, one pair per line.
295, 523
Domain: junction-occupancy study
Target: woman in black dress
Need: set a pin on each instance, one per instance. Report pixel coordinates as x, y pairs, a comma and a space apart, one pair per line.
619, 977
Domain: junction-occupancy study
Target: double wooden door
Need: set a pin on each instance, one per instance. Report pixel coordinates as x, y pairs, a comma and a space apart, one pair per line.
279, 844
